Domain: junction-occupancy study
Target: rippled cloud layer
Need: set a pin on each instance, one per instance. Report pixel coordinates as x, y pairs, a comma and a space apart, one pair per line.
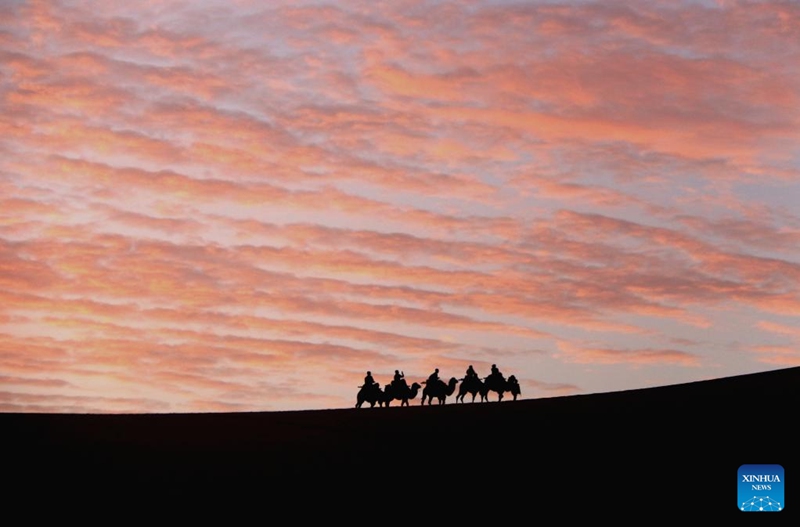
239, 206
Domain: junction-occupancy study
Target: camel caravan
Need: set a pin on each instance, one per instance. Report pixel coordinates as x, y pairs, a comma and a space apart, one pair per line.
435, 388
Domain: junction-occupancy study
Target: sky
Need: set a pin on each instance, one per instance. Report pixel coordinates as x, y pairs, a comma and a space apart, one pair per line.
238, 206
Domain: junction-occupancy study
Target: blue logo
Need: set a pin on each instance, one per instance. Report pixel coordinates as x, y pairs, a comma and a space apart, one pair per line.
761, 488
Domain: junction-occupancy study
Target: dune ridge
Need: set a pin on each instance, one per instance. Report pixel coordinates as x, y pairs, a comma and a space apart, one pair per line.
584, 448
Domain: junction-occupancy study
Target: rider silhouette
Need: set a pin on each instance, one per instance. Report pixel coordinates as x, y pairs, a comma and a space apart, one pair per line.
433, 377
470, 375
495, 376
369, 382
399, 379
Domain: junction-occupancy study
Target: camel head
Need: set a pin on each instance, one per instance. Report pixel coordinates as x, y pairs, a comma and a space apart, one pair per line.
451, 386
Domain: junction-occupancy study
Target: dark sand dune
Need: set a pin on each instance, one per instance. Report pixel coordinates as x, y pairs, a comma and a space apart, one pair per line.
672, 448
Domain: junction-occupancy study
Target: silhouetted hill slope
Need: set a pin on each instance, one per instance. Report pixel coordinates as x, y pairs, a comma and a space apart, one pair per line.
649, 448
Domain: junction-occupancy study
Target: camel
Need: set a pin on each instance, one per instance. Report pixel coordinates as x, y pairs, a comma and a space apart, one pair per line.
513, 387
440, 390
402, 393
472, 386
371, 394
501, 385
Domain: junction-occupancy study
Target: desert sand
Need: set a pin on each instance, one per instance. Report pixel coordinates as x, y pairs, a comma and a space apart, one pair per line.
660, 449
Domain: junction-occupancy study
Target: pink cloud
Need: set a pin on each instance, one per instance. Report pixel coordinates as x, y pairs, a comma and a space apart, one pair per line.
783, 356
780, 329
15, 402
549, 388
633, 357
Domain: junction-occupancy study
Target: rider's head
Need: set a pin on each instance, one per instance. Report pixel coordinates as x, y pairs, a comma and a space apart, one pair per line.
396, 372
437, 370
494, 365
369, 373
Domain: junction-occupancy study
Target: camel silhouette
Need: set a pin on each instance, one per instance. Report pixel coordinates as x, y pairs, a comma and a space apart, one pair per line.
439, 390
400, 392
370, 394
472, 386
500, 385
513, 387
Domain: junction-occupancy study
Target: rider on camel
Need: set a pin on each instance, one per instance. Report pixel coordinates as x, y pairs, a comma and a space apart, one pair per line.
470, 375
399, 380
369, 382
495, 376
433, 378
